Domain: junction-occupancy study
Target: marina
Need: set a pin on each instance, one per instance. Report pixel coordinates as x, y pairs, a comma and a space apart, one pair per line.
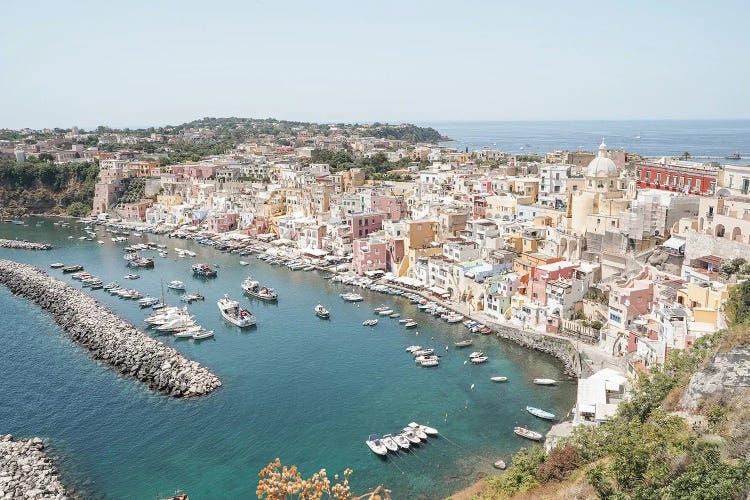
320, 362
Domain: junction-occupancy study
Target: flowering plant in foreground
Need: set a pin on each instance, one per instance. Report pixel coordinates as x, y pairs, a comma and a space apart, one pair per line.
279, 482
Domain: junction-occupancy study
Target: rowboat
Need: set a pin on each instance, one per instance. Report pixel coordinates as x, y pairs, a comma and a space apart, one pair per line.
463, 343
528, 434
537, 412
545, 381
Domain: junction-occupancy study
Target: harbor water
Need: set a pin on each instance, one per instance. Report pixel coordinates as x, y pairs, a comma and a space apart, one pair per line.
297, 387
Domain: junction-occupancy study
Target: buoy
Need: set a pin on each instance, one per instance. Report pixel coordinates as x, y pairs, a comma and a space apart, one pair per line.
446, 348
472, 387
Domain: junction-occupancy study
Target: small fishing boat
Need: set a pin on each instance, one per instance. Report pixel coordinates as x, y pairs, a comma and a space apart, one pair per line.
528, 434
545, 381
322, 312
370, 322
72, 269
57, 265
499, 465
192, 297
537, 412
376, 445
394, 315
244, 263
176, 285
386, 312
476, 354
463, 343
430, 431
131, 276
254, 289
454, 318
410, 324
389, 442
231, 312
479, 359
379, 309
405, 320
401, 441
204, 271
499, 379
429, 362
413, 348
352, 297
203, 334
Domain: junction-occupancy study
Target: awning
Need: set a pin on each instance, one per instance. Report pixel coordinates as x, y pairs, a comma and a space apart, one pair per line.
405, 280
439, 291
674, 243
314, 252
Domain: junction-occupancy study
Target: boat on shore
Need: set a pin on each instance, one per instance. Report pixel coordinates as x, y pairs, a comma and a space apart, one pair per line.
204, 271
545, 381
322, 312
527, 433
538, 412
254, 289
231, 312
374, 443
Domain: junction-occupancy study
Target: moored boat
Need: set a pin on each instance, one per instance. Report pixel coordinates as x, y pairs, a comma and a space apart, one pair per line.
499, 379
376, 445
231, 312
500, 464
57, 265
204, 271
389, 442
463, 343
538, 412
401, 441
410, 324
527, 433
370, 322
72, 269
352, 297
254, 289
545, 381
430, 431
322, 312
176, 285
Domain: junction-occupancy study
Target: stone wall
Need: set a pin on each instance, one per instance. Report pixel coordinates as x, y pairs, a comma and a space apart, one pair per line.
698, 245
106, 336
26, 471
561, 349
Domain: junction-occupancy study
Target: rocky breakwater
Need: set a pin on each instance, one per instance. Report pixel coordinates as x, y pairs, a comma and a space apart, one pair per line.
24, 245
561, 349
106, 336
26, 471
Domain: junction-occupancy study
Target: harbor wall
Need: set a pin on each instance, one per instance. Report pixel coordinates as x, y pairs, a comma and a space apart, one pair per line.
560, 348
24, 245
26, 471
107, 337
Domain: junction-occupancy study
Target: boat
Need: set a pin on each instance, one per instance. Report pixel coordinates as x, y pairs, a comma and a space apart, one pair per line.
528, 434
57, 265
244, 263
178, 323
405, 320
499, 465
203, 334
413, 348
410, 324
430, 431
485, 330
386, 312
389, 442
394, 315
351, 297
476, 354
204, 271
322, 312
376, 445
429, 362
192, 297
176, 285
131, 276
231, 312
72, 269
538, 412
408, 433
254, 289
141, 262
454, 318
370, 322
735, 156
499, 379
479, 359
401, 441
418, 431
148, 302
188, 332
545, 381
463, 343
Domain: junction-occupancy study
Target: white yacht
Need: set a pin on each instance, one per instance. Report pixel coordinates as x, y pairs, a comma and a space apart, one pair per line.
376, 445
322, 312
430, 431
254, 289
231, 312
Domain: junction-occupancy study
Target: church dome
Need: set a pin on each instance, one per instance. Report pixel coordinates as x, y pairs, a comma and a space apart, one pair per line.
602, 166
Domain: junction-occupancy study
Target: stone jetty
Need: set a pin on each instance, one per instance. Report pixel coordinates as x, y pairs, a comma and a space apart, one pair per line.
24, 245
26, 471
106, 336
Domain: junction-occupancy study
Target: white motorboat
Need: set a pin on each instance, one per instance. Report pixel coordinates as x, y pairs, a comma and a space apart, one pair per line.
479, 359
322, 312
385, 312
401, 441
231, 312
188, 332
413, 348
381, 308
545, 381
376, 445
176, 324
410, 324
389, 442
352, 297
499, 379
176, 285
427, 363
243, 263
424, 352
418, 431
408, 433
430, 431
527, 433
405, 320
463, 343
203, 334
454, 318
370, 322
57, 265
476, 354
500, 464
254, 289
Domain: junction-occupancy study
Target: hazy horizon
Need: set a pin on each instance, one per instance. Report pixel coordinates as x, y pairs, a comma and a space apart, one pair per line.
171, 62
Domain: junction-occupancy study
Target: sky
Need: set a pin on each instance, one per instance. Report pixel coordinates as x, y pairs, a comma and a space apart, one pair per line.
144, 63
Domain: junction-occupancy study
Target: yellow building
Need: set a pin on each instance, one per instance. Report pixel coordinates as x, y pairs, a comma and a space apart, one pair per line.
169, 200
704, 300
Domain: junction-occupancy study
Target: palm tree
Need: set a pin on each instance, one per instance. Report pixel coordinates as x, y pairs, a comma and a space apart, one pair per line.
685, 155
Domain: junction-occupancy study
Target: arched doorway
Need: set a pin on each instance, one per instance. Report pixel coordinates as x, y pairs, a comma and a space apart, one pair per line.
736, 234
719, 231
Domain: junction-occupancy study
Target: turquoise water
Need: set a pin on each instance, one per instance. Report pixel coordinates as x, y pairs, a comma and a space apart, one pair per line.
306, 390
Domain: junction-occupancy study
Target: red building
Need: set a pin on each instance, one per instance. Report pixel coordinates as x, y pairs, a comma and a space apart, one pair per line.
680, 176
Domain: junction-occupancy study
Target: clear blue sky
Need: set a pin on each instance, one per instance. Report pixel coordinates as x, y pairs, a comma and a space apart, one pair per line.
136, 63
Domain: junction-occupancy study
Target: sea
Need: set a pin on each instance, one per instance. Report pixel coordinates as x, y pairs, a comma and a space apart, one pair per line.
305, 390
712, 139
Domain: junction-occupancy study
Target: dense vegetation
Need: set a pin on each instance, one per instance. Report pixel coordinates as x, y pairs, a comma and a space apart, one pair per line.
376, 167
40, 185
644, 452
409, 133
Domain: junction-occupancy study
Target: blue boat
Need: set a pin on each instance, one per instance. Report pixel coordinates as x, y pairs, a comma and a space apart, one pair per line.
537, 412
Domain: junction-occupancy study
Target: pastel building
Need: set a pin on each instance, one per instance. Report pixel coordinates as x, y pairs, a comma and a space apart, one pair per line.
369, 255
630, 298
542, 276
363, 224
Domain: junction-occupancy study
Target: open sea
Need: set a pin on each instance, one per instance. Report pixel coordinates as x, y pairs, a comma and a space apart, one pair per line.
713, 138
306, 390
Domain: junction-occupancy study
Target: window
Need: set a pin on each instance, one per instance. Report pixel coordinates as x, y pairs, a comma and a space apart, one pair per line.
648, 174
697, 183
658, 178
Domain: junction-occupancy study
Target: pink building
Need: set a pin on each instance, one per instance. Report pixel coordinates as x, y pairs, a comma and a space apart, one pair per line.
630, 299
393, 207
542, 275
221, 223
362, 224
135, 211
369, 255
